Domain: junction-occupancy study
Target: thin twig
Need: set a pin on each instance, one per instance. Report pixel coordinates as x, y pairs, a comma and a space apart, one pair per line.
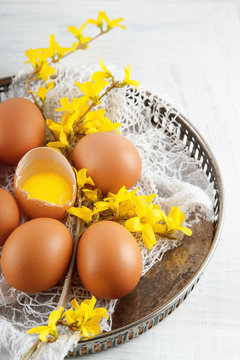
30, 79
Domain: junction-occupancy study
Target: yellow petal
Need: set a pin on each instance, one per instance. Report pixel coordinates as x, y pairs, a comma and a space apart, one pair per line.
74, 31
148, 236
92, 194
83, 213
75, 304
55, 316
43, 335
159, 228
134, 224
37, 330
186, 231
141, 206
100, 206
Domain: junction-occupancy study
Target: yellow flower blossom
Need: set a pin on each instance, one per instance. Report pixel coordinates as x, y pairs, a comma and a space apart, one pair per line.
85, 317
147, 216
37, 57
122, 203
45, 72
98, 22
74, 110
95, 121
82, 178
110, 23
78, 33
92, 195
56, 49
173, 223
51, 328
56, 128
92, 90
100, 206
127, 80
83, 213
43, 90
101, 75
62, 143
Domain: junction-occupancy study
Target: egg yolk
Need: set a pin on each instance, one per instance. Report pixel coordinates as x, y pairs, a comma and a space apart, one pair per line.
48, 186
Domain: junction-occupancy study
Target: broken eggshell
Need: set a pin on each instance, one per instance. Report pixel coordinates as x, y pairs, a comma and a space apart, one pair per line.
38, 160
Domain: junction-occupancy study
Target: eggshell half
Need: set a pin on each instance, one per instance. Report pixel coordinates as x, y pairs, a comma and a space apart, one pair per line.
43, 159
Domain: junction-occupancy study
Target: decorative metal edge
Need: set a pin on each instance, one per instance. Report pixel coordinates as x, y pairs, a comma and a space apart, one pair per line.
113, 339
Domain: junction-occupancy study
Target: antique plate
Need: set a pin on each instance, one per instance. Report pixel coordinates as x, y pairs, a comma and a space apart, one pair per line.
176, 275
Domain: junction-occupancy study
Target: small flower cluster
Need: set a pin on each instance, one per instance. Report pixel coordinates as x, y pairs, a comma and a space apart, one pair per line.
79, 118
137, 212
42, 58
82, 318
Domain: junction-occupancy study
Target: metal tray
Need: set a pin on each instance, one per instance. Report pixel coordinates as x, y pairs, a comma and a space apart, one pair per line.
176, 275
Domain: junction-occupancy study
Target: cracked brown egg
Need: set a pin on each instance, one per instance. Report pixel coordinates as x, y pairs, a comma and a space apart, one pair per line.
36, 255
109, 261
112, 160
45, 183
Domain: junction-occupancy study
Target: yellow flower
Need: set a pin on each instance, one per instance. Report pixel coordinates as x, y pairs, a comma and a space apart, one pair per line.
100, 206
127, 80
37, 57
83, 213
62, 143
173, 223
97, 22
74, 110
56, 128
85, 317
122, 203
45, 71
79, 35
92, 195
82, 178
43, 90
110, 24
95, 121
51, 328
147, 216
92, 90
54, 48
101, 75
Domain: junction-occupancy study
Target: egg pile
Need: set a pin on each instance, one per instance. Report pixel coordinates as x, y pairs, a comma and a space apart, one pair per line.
36, 254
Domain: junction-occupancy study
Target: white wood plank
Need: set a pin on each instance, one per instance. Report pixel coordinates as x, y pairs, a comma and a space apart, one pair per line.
189, 51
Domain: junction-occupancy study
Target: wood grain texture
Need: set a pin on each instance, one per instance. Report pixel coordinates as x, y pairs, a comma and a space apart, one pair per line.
188, 51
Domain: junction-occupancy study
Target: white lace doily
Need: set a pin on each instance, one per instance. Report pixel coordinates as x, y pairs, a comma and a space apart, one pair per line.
167, 170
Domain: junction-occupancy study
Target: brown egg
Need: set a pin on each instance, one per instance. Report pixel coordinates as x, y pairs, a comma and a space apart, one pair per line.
22, 127
109, 261
9, 215
36, 255
112, 160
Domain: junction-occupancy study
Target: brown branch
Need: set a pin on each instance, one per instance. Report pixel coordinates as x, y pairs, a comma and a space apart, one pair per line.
30, 79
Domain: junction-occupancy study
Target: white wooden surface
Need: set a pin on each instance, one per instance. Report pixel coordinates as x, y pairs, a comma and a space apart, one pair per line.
189, 51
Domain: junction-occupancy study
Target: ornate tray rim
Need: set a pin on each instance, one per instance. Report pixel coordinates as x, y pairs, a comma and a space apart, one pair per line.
126, 333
